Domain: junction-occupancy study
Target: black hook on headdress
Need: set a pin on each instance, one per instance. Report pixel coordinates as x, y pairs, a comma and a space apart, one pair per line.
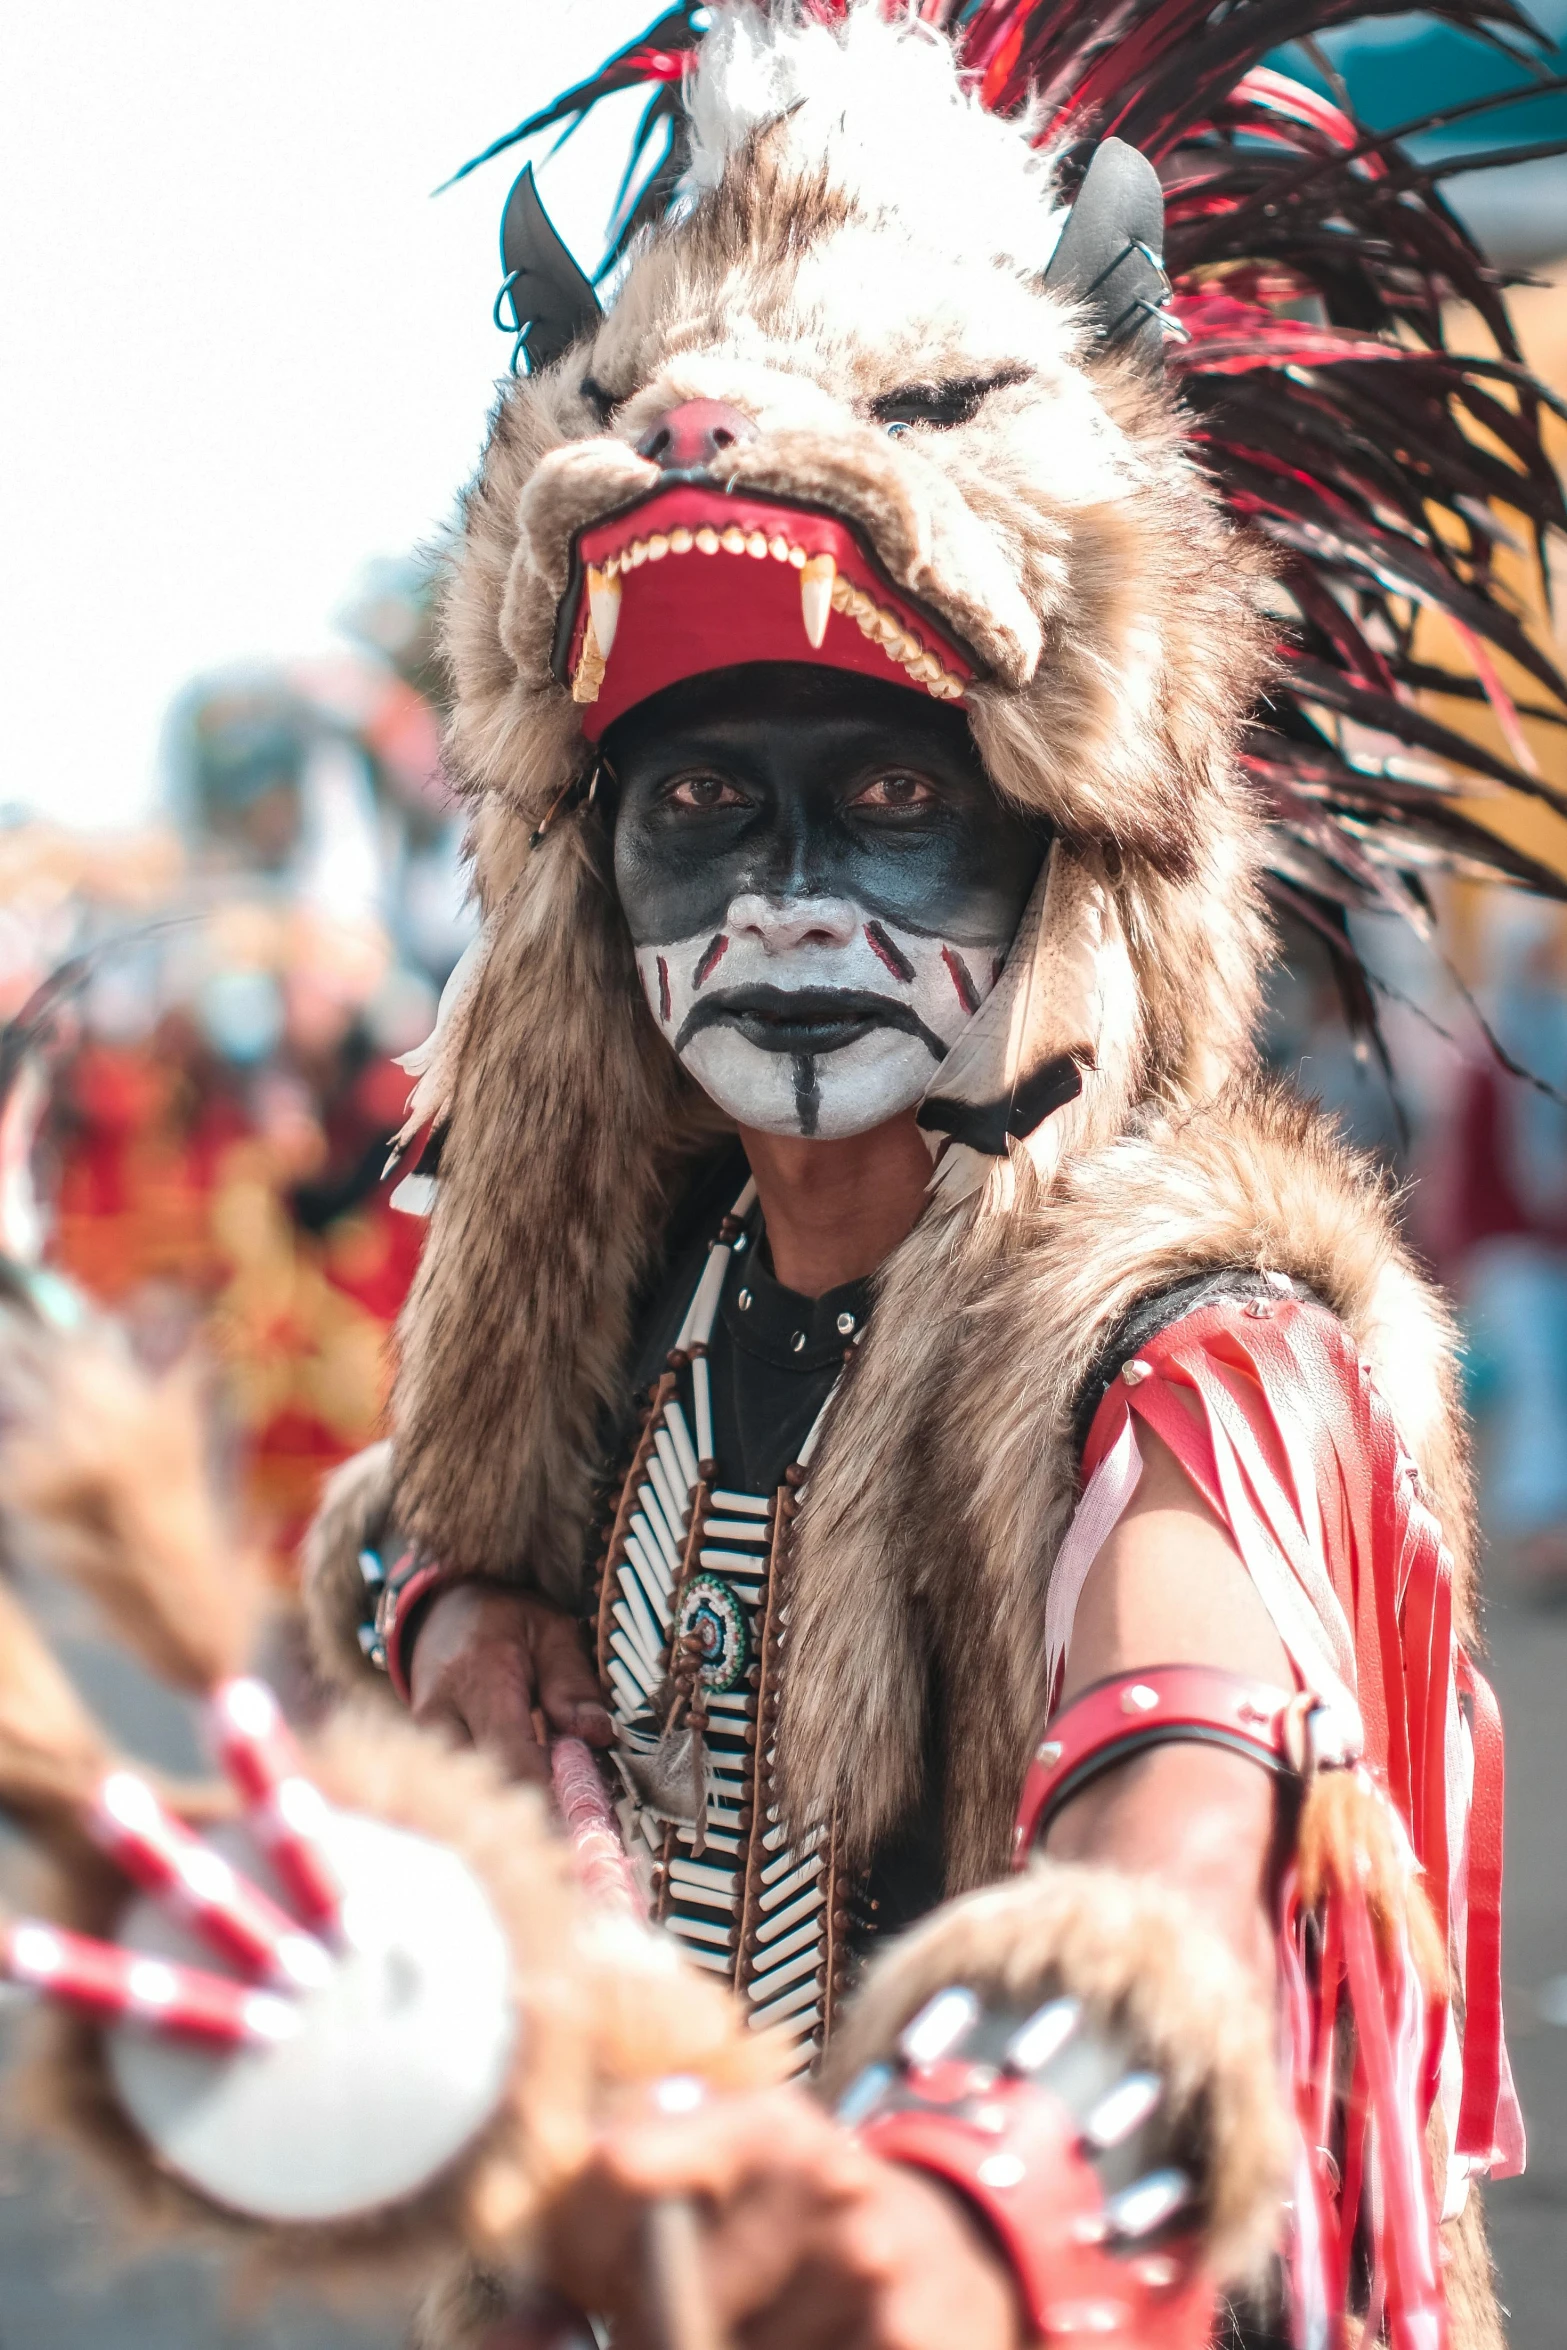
552, 302
1111, 253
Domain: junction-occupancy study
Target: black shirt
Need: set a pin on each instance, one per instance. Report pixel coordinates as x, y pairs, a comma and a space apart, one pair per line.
774, 1357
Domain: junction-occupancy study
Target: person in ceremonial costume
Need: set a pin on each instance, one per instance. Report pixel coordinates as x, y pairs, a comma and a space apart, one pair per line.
887, 1367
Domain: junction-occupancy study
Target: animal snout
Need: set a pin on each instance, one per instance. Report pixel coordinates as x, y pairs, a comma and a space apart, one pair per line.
693, 435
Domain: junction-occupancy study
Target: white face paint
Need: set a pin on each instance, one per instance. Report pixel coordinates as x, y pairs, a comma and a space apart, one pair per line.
820, 885
813, 1016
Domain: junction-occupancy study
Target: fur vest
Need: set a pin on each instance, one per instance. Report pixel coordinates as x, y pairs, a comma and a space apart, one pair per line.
947, 1475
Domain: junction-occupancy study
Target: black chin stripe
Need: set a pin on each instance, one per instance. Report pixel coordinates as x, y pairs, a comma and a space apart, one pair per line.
987, 1126
807, 1093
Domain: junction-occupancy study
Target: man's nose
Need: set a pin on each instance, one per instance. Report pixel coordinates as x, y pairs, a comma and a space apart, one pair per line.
695, 434
780, 925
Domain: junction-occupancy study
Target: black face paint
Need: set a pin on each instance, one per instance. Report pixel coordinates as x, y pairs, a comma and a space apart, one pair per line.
807, 1093
820, 883
795, 744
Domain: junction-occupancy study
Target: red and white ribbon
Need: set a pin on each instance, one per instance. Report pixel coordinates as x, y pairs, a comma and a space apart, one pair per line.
285, 1811
141, 1835
114, 1985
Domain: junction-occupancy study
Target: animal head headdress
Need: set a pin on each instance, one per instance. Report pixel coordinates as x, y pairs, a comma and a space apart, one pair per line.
908, 370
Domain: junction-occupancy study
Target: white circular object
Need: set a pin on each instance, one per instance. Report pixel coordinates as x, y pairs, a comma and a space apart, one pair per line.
398, 2061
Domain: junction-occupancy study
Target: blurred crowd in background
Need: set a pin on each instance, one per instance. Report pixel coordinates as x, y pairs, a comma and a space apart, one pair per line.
228, 994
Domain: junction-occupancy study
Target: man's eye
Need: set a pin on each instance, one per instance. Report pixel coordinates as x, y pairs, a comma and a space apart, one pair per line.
703, 792
893, 794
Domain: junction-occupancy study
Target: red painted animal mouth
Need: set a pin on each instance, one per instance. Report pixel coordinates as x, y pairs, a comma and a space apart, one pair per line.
695, 578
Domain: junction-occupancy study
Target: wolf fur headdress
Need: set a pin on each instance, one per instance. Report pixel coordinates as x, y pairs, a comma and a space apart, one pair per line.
1195, 610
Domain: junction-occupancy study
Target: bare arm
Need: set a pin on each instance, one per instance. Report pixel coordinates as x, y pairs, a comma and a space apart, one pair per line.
1169, 1588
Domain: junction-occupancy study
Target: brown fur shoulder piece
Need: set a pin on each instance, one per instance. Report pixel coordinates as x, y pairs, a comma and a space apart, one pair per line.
935, 1565
934, 1568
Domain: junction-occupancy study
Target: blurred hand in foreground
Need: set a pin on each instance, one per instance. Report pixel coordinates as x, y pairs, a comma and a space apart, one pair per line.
806, 2241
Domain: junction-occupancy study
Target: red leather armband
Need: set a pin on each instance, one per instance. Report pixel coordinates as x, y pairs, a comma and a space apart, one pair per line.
1167, 1705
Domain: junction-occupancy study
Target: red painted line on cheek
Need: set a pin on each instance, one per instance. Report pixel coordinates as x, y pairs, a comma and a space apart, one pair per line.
962, 979
663, 989
887, 951
711, 960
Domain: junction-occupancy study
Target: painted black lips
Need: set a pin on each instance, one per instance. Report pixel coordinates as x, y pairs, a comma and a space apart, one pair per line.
805, 1019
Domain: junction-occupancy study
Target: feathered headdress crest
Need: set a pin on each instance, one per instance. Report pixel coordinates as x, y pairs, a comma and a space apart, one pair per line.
1403, 487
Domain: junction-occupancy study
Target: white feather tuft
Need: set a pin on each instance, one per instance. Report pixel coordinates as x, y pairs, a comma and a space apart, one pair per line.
880, 101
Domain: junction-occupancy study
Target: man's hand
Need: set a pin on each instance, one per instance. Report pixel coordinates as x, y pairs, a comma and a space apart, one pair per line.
808, 2242
500, 1669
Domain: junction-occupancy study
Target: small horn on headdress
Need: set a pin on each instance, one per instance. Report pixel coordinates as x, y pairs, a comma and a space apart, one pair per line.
552, 302
1111, 254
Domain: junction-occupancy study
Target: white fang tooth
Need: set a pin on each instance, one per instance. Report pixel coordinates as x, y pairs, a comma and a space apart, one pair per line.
604, 604
816, 581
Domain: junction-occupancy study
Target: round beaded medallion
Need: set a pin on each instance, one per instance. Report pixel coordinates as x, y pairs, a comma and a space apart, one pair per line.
714, 1613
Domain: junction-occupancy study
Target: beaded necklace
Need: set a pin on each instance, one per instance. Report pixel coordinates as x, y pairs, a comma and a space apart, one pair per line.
693, 1613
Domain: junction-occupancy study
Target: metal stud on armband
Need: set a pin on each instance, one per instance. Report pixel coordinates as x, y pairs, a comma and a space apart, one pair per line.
1037, 2118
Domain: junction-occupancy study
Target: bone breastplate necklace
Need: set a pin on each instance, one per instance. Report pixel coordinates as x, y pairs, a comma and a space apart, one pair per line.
693, 1643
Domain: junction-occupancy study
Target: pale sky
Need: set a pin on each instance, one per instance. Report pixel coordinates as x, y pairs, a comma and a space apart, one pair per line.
242, 349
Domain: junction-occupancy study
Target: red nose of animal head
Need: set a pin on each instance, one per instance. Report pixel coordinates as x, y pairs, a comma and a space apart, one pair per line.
694, 434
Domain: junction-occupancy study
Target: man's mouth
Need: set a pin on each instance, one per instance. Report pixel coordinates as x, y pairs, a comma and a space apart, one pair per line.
805, 1020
